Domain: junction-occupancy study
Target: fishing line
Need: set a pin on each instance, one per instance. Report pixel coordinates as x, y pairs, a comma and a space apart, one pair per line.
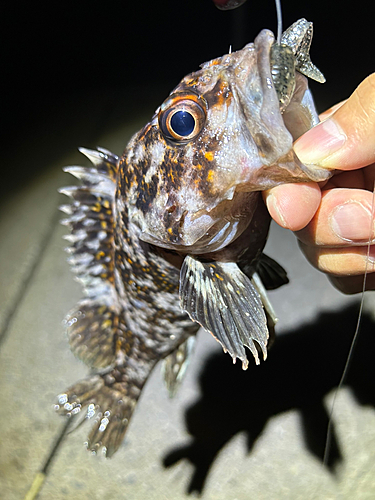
279, 21
356, 333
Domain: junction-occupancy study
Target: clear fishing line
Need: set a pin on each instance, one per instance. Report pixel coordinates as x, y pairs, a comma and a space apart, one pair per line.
355, 337
279, 21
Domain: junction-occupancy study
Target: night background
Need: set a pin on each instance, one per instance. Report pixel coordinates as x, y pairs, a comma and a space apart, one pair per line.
73, 70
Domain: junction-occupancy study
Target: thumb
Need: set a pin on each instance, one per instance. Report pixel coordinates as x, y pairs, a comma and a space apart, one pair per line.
345, 140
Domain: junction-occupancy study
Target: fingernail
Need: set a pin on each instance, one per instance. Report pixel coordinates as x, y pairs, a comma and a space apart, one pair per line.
273, 206
351, 222
319, 142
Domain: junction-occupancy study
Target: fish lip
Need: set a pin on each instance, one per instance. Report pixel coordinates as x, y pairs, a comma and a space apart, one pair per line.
178, 242
199, 231
181, 231
200, 246
205, 243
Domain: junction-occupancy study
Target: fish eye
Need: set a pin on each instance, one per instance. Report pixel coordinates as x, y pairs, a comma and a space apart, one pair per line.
182, 123
182, 117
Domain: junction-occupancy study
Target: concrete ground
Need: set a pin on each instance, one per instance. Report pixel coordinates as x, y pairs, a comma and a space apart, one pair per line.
228, 434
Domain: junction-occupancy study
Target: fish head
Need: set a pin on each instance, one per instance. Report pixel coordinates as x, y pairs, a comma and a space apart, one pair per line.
218, 138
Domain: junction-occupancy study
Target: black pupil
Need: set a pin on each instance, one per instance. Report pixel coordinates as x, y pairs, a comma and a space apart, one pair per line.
182, 123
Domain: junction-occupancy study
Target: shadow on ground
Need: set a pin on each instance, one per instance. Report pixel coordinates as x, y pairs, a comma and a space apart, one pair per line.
301, 369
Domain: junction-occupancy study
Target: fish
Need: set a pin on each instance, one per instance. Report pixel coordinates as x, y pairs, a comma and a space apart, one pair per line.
169, 237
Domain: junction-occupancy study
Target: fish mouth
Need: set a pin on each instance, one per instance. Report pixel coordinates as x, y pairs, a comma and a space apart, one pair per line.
203, 231
215, 237
200, 232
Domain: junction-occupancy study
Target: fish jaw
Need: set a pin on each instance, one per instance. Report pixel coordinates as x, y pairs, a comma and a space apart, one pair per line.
204, 231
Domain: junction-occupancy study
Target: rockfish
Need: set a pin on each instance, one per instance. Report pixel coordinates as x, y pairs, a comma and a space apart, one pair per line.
169, 236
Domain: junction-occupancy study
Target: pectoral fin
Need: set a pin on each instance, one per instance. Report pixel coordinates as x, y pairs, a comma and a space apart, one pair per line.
223, 300
271, 273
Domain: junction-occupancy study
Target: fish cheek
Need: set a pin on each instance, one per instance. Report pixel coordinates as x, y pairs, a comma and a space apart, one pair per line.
172, 170
147, 192
187, 167
205, 171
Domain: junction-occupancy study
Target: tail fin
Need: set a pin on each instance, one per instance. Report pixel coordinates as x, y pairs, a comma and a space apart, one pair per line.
110, 399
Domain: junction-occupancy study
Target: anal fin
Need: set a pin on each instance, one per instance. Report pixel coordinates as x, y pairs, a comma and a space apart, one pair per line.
175, 364
224, 301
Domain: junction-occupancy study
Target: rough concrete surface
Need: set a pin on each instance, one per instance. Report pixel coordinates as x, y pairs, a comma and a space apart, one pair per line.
228, 434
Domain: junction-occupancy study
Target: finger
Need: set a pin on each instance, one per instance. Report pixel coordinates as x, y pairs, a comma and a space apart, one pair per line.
362, 178
293, 205
344, 219
352, 179
340, 261
346, 140
326, 114
353, 284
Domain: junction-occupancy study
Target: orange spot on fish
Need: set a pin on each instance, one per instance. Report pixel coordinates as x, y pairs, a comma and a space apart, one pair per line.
209, 155
210, 176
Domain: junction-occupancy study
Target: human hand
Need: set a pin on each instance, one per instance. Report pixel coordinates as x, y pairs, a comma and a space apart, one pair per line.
334, 222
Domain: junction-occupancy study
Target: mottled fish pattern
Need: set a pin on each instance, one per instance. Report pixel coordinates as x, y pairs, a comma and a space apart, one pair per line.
169, 236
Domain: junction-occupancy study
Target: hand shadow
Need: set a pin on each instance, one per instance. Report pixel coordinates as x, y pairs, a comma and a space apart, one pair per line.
302, 367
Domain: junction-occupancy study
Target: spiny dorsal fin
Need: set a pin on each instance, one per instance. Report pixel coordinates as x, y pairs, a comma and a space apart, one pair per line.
222, 299
91, 220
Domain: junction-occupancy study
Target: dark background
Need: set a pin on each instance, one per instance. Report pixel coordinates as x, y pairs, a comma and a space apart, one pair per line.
71, 71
